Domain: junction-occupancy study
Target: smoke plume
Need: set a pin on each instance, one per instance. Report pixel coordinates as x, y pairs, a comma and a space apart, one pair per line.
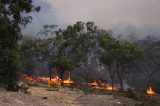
124, 17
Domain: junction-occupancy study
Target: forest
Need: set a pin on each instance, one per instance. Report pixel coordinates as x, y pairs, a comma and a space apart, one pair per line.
83, 49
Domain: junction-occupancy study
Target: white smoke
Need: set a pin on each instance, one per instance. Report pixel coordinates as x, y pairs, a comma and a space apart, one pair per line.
120, 15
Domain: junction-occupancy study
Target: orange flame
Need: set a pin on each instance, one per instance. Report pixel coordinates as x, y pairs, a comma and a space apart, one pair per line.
94, 83
101, 85
109, 87
56, 80
68, 80
45, 80
150, 91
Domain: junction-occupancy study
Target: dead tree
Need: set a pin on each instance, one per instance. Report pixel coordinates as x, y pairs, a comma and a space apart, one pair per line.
148, 79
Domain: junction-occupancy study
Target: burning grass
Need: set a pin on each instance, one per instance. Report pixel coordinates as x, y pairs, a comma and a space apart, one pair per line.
97, 87
45, 80
101, 85
55, 80
150, 91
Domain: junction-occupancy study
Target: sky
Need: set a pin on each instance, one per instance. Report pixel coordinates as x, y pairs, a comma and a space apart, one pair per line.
124, 17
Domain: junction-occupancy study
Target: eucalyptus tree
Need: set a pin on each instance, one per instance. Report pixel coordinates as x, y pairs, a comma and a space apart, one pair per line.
107, 55
27, 51
78, 42
128, 56
151, 62
118, 56
12, 20
46, 49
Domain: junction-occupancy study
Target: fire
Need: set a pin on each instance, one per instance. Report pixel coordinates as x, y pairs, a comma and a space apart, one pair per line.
94, 83
68, 81
57, 81
150, 91
109, 87
45, 80
101, 85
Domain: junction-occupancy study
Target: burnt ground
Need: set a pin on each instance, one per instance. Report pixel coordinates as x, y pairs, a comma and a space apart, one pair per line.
39, 96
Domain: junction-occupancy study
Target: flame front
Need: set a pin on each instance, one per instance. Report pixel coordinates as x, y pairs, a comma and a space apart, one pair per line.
68, 80
150, 91
56, 80
101, 85
109, 87
45, 80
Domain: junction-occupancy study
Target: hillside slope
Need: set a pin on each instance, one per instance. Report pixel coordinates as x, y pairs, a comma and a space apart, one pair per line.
62, 97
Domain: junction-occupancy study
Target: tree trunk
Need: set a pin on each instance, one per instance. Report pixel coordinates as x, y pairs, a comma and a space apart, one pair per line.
112, 78
86, 76
49, 66
61, 75
120, 76
86, 71
121, 84
112, 73
112, 83
147, 83
50, 73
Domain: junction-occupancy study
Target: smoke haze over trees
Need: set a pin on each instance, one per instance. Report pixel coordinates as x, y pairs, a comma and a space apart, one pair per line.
130, 63
124, 17
82, 46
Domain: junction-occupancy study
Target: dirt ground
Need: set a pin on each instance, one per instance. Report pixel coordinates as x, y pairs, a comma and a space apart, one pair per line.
63, 97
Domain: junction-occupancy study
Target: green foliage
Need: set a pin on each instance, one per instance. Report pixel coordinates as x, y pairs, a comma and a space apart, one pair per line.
119, 54
11, 21
78, 41
74, 46
11, 68
67, 63
131, 94
27, 56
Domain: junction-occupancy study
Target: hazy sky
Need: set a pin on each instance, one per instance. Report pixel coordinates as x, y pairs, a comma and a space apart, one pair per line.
141, 17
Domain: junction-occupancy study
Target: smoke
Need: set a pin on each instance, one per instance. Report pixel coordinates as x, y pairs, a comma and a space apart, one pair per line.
124, 17
45, 16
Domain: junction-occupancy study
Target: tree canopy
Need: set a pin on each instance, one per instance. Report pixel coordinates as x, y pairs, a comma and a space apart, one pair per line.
12, 20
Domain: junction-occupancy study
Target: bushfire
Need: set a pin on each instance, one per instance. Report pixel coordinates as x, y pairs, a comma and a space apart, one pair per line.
150, 91
55, 79
101, 85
